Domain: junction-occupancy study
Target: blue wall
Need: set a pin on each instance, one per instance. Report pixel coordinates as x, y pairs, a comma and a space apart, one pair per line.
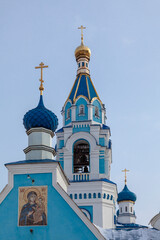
61, 144
63, 222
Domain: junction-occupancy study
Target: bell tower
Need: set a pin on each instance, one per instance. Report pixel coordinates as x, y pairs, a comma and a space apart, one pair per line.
84, 147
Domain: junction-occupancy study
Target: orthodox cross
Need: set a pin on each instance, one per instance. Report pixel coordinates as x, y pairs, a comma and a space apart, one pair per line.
41, 66
81, 27
125, 170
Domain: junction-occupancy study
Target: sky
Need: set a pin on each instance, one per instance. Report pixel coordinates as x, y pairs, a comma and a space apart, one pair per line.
124, 38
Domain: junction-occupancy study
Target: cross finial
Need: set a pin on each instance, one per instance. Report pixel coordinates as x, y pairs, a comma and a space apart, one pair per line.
41, 66
81, 27
125, 170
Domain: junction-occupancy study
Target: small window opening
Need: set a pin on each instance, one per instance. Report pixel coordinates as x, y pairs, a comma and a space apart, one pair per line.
81, 109
121, 209
126, 209
68, 113
86, 64
85, 195
131, 209
96, 111
82, 64
79, 64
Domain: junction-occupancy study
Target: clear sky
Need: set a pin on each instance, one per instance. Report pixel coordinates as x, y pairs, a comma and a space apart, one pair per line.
124, 38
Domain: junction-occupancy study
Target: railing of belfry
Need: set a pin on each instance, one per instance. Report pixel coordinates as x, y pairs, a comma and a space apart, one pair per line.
81, 177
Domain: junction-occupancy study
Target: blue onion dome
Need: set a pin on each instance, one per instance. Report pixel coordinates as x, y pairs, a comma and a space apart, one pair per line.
126, 195
40, 117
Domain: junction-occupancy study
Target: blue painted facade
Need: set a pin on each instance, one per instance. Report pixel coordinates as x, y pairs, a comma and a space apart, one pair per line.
81, 128
81, 117
102, 142
96, 118
61, 144
62, 221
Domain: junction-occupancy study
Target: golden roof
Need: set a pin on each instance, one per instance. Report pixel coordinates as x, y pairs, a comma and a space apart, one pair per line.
82, 51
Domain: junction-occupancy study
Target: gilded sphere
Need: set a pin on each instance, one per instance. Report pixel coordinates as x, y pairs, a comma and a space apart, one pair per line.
82, 51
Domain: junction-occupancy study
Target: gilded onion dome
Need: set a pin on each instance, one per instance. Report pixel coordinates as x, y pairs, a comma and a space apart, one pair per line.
82, 52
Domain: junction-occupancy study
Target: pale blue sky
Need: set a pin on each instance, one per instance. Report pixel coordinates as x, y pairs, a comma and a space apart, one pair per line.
124, 38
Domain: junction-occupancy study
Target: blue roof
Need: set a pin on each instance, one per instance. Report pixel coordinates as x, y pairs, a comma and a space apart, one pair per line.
83, 86
60, 130
32, 161
126, 195
129, 226
40, 117
105, 127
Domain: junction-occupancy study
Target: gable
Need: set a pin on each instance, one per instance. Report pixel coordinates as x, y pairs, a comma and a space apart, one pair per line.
62, 221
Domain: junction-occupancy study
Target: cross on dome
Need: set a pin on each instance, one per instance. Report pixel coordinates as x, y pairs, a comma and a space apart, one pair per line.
41, 66
81, 27
125, 170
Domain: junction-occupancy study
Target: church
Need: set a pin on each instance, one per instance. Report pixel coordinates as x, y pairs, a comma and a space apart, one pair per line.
66, 192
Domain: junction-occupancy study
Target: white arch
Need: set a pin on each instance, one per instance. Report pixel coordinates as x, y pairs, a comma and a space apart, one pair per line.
82, 135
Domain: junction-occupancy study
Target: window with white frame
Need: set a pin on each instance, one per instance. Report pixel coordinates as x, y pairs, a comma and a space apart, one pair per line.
81, 110
96, 111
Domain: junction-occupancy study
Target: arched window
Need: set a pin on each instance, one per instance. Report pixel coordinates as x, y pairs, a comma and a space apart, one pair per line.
81, 109
89, 195
68, 113
81, 157
99, 195
80, 196
96, 111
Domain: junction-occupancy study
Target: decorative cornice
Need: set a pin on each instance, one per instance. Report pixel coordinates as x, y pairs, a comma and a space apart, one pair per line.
40, 147
40, 129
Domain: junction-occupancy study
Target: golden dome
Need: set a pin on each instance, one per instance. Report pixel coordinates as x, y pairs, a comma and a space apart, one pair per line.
82, 51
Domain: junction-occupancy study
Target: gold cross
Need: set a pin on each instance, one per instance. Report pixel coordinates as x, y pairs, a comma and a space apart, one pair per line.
81, 27
125, 170
41, 66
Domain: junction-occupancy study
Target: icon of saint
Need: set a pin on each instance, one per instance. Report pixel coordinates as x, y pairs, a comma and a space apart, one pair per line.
33, 213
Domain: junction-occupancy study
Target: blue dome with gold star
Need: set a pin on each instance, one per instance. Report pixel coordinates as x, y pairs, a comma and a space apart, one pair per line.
126, 195
40, 117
